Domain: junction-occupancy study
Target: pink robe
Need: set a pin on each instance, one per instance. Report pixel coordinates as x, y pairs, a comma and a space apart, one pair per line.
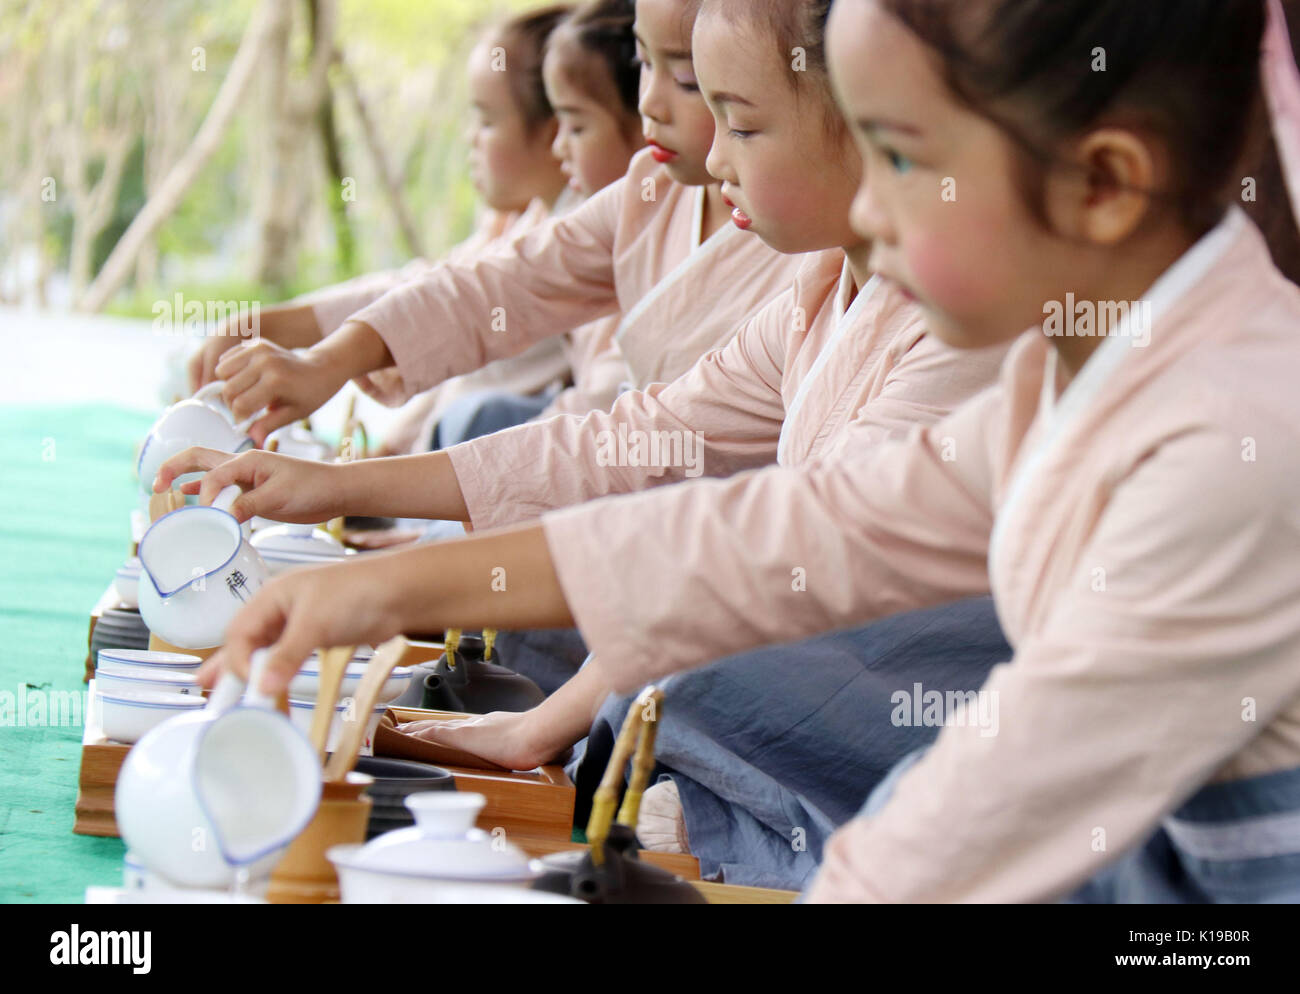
1142, 537
546, 363
603, 258
785, 388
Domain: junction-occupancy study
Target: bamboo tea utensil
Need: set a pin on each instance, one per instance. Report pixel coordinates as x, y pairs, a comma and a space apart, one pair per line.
348, 452
165, 503
639, 727
384, 661
333, 667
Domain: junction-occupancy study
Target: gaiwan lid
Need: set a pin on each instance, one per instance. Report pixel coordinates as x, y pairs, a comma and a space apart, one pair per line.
305, 542
444, 844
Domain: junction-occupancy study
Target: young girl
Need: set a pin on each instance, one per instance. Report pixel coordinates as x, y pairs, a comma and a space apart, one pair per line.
825, 366
1134, 507
521, 184
592, 85
663, 228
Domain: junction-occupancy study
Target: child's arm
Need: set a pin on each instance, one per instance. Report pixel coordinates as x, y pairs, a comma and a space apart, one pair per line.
293, 326
284, 488
453, 319
650, 575
500, 580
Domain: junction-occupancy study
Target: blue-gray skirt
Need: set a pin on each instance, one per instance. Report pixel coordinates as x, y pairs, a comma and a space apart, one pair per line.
772, 749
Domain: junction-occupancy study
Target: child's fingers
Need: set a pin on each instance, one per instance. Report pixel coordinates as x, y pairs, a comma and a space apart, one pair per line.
195, 459
236, 471
233, 360
250, 391
301, 636
261, 429
257, 626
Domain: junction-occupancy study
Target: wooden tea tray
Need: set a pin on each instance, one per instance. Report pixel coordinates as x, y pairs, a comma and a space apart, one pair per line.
731, 894
534, 807
101, 760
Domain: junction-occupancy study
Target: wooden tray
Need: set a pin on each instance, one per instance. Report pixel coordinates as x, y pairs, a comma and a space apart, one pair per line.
100, 762
535, 808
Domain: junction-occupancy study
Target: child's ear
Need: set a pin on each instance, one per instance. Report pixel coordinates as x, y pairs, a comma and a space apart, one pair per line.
1104, 196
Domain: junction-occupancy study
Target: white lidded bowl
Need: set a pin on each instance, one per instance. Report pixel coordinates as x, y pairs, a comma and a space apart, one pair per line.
285, 546
442, 859
119, 660
306, 681
133, 679
127, 716
300, 712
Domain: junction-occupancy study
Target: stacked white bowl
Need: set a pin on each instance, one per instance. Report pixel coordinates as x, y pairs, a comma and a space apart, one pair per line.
303, 687
138, 689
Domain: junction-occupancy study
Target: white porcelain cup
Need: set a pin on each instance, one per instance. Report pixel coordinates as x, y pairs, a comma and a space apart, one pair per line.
197, 571
212, 798
191, 422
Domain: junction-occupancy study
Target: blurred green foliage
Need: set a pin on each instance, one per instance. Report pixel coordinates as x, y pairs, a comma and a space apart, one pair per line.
407, 55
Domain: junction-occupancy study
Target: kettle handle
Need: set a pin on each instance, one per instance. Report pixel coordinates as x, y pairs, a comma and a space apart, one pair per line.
215, 388
230, 688
226, 499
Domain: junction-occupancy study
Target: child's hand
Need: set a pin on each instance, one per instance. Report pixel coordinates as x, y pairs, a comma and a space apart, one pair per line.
308, 608
202, 366
275, 486
504, 738
288, 385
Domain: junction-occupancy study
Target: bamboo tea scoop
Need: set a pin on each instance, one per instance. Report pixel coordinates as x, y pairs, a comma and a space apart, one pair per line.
165, 503
639, 728
386, 658
333, 667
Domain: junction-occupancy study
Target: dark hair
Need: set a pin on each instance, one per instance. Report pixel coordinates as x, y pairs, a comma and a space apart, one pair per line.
795, 25
603, 29
524, 39
1188, 70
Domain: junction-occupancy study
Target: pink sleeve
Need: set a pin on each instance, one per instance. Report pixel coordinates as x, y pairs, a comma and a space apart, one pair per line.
926, 383
668, 580
336, 304
333, 305
599, 371
1126, 699
724, 415
461, 315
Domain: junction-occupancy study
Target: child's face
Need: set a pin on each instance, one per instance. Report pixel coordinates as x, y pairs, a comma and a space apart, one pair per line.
938, 198
592, 144
675, 118
790, 178
508, 164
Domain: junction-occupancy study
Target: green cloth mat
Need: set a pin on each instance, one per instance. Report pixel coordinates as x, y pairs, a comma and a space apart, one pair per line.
67, 488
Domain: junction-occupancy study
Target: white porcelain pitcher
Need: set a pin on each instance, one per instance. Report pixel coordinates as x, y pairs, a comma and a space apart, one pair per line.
204, 422
196, 571
210, 798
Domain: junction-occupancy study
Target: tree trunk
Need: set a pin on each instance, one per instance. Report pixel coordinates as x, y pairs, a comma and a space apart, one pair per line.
162, 204
406, 224
345, 243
